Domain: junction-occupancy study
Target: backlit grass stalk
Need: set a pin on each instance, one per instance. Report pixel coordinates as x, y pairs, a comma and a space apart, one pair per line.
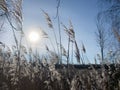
45, 35
17, 16
56, 40
60, 38
48, 19
58, 19
68, 52
77, 53
13, 29
52, 44
72, 53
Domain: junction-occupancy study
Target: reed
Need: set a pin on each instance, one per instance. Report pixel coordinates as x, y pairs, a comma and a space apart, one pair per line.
23, 69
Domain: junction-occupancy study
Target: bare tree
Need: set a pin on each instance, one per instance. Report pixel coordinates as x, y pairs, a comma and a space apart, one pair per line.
101, 38
111, 16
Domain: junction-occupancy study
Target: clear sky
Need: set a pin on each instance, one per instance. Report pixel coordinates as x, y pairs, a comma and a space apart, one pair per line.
82, 13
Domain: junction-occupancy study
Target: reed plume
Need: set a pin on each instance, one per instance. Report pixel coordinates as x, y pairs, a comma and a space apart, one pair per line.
3, 5
48, 19
77, 52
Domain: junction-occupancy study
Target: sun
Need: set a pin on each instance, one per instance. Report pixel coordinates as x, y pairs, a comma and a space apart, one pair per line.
34, 37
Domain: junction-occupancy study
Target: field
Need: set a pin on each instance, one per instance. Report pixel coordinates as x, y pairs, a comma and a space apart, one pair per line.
19, 74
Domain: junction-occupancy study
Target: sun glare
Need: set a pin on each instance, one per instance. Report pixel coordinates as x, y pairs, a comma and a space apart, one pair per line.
34, 37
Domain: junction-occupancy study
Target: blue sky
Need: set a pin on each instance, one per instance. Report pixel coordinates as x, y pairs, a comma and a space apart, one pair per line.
82, 13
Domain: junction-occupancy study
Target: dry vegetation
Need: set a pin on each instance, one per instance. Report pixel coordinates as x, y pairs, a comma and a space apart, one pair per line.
38, 74
22, 69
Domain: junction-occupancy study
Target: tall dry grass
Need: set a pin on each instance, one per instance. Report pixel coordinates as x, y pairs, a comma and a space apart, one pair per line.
39, 74
23, 69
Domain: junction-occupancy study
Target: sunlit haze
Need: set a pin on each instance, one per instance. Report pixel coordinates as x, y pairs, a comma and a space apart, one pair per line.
34, 37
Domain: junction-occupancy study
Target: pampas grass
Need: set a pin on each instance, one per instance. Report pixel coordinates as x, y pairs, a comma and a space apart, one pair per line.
23, 69
38, 74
